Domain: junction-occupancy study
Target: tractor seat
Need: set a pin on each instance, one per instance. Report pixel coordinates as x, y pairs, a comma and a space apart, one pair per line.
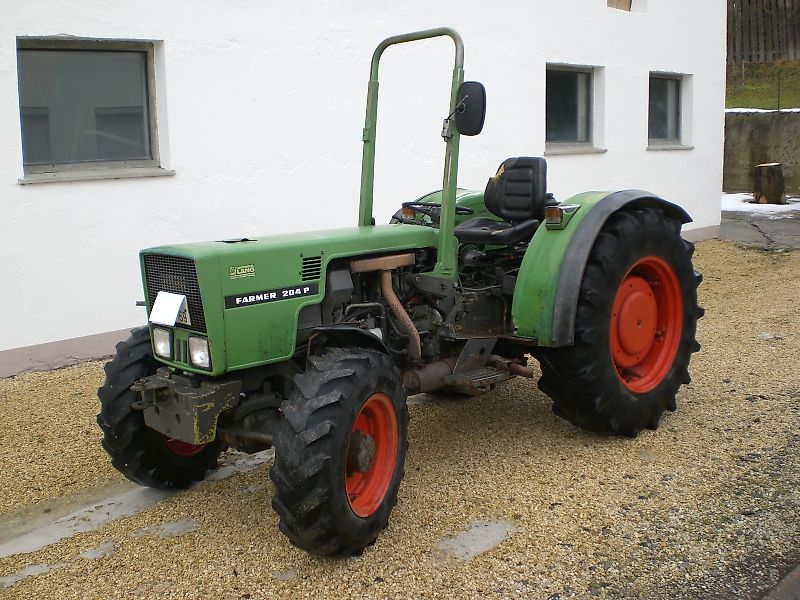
518, 195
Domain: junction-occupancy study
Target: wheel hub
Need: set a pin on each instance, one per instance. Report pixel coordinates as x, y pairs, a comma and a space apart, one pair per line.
360, 452
371, 455
636, 316
182, 448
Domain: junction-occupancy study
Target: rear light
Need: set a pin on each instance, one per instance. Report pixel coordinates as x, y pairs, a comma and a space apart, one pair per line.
553, 215
559, 216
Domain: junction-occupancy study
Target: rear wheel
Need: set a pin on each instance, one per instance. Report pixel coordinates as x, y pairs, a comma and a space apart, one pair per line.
142, 454
634, 329
339, 451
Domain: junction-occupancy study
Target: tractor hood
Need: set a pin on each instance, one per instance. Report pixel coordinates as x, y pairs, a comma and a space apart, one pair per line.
246, 294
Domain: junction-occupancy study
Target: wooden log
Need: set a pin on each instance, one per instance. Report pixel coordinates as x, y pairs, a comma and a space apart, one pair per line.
768, 184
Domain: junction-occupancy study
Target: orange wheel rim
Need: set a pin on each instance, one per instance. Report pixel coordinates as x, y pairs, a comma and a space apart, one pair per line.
646, 324
371, 455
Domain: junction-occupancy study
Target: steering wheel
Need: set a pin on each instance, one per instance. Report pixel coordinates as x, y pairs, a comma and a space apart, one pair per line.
433, 210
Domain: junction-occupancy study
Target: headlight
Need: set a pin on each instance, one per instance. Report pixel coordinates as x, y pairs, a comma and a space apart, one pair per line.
198, 352
162, 342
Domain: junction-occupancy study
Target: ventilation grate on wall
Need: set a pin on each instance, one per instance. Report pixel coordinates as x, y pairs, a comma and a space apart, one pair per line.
311, 268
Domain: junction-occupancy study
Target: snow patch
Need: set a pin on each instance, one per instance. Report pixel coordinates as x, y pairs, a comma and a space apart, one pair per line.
101, 551
89, 518
760, 110
29, 571
480, 537
287, 575
740, 203
165, 530
238, 462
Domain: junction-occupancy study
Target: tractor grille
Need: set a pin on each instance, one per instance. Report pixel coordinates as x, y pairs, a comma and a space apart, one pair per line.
177, 275
311, 268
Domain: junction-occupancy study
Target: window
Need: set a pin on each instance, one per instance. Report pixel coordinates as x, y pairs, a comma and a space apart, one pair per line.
86, 105
664, 121
568, 106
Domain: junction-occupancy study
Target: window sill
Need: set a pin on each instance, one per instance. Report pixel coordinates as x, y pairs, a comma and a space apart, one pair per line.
556, 149
93, 174
657, 147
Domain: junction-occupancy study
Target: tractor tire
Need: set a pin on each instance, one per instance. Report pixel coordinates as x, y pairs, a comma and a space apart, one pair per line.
339, 451
144, 455
634, 329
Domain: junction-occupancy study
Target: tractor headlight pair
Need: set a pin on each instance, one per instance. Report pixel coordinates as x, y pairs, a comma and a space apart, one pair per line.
199, 355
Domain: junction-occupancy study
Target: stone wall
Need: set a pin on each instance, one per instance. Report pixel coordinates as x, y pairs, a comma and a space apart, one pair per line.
752, 138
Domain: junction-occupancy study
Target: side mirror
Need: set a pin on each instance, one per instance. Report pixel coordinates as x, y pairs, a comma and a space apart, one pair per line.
471, 108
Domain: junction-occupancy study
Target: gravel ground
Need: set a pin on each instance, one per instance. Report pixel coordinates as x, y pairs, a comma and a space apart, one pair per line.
706, 506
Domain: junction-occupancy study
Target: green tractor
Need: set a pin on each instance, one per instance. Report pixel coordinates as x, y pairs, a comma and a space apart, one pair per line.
311, 343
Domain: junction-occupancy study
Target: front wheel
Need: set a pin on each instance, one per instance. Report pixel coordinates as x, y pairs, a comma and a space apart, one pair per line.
144, 455
634, 328
339, 451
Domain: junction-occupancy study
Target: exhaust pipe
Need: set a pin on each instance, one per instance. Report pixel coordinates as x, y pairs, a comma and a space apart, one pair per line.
414, 346
504, 364
428, 378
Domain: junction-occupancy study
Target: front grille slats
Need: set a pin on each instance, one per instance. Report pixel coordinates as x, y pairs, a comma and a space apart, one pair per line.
311, 268
178, 275
180, 350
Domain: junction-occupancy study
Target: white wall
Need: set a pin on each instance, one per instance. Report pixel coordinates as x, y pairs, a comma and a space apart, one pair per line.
261, 106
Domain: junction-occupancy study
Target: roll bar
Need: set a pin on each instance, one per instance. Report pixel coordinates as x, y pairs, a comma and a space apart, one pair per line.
446, 265
416, 36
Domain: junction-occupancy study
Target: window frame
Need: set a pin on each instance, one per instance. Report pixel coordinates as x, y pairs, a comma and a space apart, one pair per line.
684, 120
678, 139
576, 147
111, 168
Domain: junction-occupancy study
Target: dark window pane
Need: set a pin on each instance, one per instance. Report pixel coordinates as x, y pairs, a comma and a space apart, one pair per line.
120, 133
35, 134
96, 102
567, 106
664, 115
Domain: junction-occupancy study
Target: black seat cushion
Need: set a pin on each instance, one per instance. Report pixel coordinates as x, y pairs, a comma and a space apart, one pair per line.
481, 230
517, 194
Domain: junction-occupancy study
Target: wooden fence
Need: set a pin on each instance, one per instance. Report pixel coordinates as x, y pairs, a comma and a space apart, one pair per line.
763, 31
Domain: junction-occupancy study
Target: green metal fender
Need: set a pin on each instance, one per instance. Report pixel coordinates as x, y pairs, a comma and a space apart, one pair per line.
549, 281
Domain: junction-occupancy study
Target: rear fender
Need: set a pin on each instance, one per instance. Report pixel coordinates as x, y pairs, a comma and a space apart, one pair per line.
546, 294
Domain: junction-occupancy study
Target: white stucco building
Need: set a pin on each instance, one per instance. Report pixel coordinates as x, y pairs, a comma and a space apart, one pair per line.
232, 119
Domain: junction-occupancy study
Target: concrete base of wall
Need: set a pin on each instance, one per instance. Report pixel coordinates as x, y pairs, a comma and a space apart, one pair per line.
73, 351
701, 233
63, 353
